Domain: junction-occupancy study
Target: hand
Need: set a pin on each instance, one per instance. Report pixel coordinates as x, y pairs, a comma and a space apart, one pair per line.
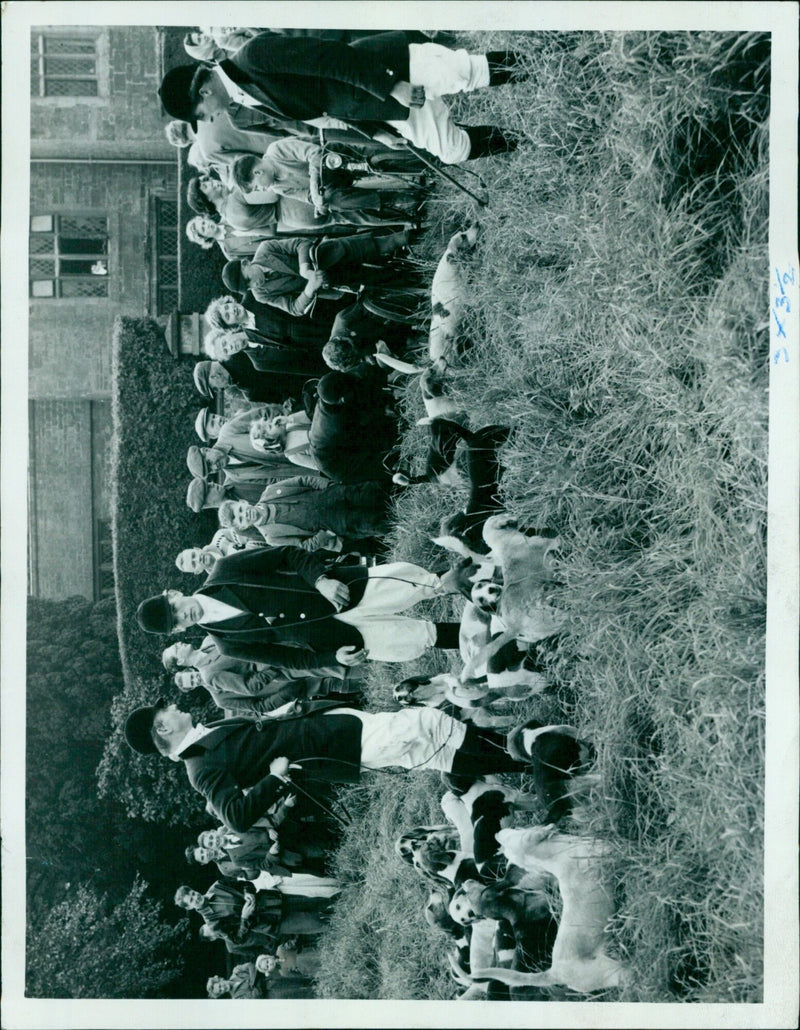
350, 655
316, 281
333, 590
279, 767
330, 541
249, 906
407, 95
388, 139
290, 800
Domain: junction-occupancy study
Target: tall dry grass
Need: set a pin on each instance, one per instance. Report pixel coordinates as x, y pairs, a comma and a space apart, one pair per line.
618, 323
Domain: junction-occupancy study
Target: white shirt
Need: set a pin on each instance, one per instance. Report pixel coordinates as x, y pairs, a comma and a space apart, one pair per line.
195, 733
234, 91
238, 95
217, 611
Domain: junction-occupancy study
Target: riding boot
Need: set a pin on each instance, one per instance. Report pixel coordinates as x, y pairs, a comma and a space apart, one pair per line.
389, 244
487, 140
447, 635
503, 66
470, 763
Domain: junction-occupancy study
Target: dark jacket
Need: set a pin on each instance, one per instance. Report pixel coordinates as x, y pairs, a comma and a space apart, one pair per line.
237, 755
288, 359
223, 905
311, 78
289, 624
350, 441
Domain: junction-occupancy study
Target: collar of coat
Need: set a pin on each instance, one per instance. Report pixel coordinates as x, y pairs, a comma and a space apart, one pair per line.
222, 728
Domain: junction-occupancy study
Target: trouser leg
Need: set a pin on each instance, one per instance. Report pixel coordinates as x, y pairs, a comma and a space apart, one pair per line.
483, 753
303, 922
358, 249
431, 127
442, 70
487, 140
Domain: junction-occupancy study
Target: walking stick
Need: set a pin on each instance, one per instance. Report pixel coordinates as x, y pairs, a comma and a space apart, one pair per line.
428, 164
445, 175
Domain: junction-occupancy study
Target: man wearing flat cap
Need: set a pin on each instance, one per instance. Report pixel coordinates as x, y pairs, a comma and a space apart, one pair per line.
208, 424
242, 480
201, 494
366, 85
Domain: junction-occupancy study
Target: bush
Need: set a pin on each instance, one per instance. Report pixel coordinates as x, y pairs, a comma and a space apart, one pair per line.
153, 406
89, 949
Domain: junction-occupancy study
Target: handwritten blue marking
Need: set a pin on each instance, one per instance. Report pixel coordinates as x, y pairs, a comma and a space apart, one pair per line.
781, 330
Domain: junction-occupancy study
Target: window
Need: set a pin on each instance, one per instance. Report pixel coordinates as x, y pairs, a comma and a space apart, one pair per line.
68, 256
103, 560
63, 66
166, 255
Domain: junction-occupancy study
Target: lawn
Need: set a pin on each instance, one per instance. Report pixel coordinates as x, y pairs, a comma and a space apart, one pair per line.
617, 325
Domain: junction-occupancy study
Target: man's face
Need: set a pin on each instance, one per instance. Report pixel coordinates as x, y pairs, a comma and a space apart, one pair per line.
179, 653
263, 176
214, 423
188, 680
218, 987
212, 100
218, 377
215, 458
184, 653
171, 724
194, 560
245, 515
202, 855
186, 611
231, 343
192, 899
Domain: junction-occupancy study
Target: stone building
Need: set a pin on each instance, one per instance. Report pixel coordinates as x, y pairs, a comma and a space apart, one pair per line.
103, 242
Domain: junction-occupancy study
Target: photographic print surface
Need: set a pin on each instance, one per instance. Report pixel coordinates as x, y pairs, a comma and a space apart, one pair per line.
399, 402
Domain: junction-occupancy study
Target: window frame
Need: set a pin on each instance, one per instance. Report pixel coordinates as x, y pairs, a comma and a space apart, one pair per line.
158, 257
40, 55
60, 276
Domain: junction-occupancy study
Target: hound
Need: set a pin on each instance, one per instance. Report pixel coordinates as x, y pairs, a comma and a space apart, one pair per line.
579, 960
449, 292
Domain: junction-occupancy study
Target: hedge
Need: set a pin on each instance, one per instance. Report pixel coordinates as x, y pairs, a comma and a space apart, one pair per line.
153, 407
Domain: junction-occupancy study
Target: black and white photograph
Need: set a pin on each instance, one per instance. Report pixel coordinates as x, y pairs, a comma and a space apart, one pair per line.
400, 474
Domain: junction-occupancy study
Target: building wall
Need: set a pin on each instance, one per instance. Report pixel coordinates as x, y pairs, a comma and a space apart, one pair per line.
105, 155
125, 119
66, 496
70, 339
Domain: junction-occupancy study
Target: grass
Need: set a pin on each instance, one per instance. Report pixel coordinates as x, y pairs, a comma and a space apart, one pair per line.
617, 325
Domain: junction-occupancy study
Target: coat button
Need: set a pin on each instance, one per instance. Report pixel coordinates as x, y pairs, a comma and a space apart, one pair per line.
281, 616
302, 615
277, 491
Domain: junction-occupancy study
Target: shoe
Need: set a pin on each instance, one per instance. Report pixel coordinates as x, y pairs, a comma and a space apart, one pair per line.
504, 66
488, 140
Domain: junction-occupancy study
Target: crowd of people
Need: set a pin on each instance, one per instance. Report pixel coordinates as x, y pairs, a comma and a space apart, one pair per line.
297, 594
